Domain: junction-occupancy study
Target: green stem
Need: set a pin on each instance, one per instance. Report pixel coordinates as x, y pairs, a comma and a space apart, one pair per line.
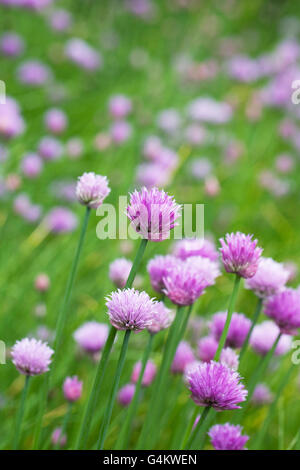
124, 436
198, 429
114, 390
228, 318
20, 414
157, 397
42, 405
95, 393
64, 426
185, 321
189, 429
254, 321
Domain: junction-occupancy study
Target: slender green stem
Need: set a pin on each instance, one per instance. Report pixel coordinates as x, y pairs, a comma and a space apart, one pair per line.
20, 414
42, 405
254, 321
102, 365
124, 436
114, 390
228, 318
196, 433
157, 397
64, 426
189, 429
185, 321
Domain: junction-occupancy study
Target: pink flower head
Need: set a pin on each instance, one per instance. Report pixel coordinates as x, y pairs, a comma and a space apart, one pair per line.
92, 189
11, 122
82, 54
119, 271
284, 309
263, 337
72, 388
130, 309
60, 20
183, 356
42, 282
149, 373
119, 106
230, 358
34, 73
152, 174
31, 165
262, 395
269, 278
158, 268
240, 255
186, 248
56, 120
207, 348
153, 213
56, 436
227, 437
31, 357
216, 385
188, 279
162, 318
61, 220
11, 44
238, 329
91, 336
120, 131
126, 394
208, 110
50, 148
74, 147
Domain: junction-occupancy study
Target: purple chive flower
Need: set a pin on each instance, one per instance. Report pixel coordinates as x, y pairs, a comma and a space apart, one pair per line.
284, 309
92, 189
126, 394
238, 329
11, 44
57, 437
119, 271
240, 255
183, 357
149, 373
74, 147
72, 388
56, 120
91, 336
119, 106
61, 220
269, 278
42, 282
208, 110
130, 309
82, 54
153, 213
158, 268
50, 148
227, 437
34, 73
31, 357
262, 395
169, 120
216, 385
120, 131
11, 121
207, 348
60, 20
263, 337
31, 165
152, 174
162, 317
184, 249
230, 358
188, 279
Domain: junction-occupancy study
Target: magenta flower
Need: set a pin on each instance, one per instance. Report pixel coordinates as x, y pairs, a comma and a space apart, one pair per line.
227, 437
72, 388
60, 20
31, 357
50, 148
149, 373
262, 395
183, 357
56, 120
119, 106
11, 122
57, 437
153, 213
120, 131
34, 73
284, 309
119, 271
158, 268
126, 394
92, 189
188, 279
11, 44
82, 54
263, 337
130, 309
31, 165
230, 358
195, 247
61, 220
91, 336
207, 348
269, 278
216, 385
240, 255
238, 329
42, 282
162, 317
